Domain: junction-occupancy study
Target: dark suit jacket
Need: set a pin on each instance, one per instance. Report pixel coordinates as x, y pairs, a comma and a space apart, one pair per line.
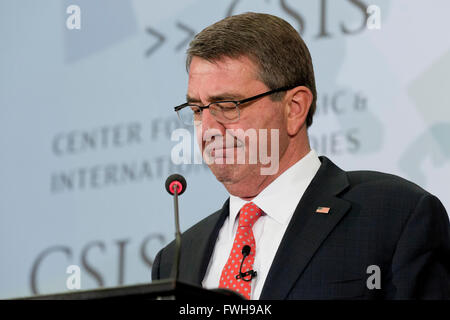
375, 219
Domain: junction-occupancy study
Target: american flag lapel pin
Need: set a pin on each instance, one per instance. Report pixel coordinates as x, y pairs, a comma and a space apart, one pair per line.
324, 210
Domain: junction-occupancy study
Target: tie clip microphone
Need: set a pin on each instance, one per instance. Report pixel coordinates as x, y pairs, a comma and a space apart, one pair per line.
245, 252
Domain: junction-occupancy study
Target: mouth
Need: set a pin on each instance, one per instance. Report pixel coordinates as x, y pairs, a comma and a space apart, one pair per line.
223, 152
222, 147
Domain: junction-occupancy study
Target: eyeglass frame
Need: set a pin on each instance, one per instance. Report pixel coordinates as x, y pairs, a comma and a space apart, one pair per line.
236, 102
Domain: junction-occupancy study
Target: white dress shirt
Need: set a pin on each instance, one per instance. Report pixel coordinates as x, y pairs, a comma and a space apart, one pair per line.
278, 202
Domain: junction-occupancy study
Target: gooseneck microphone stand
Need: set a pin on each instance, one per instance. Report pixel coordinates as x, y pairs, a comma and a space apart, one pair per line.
176, 264
176, 185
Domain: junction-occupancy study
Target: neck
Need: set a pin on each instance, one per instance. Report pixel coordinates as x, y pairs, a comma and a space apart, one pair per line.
249, 187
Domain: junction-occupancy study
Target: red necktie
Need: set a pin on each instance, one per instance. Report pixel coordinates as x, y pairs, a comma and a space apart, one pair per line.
244, 236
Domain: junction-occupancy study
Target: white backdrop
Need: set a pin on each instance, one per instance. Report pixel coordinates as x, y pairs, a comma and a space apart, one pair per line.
86, 118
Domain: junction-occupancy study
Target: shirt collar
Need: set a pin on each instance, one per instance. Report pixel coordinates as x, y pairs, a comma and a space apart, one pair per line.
280, 198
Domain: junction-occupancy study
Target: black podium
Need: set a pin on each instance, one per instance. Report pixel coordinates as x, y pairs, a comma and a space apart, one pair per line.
157, 290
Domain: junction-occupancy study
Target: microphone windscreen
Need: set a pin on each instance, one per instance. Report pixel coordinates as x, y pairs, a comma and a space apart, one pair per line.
176, 179
246, 250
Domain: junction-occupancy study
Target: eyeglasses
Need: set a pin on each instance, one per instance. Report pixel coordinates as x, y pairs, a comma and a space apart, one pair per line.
223, 111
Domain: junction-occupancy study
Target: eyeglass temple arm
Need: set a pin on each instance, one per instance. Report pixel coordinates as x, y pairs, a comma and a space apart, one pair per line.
266, 94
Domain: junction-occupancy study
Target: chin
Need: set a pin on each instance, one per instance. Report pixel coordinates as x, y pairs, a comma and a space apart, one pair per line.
232, 174
225, 173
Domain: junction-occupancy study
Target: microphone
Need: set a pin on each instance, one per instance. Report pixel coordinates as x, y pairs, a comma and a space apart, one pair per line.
176, 185
245, 252
176, 180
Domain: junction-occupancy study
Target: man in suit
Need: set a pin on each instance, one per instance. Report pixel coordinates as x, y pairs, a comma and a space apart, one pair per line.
310, 230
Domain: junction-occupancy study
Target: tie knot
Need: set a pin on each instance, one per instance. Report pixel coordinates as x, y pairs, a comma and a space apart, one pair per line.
249, 214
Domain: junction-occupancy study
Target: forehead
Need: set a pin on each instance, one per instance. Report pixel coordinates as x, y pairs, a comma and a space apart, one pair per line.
223, 64
210, 78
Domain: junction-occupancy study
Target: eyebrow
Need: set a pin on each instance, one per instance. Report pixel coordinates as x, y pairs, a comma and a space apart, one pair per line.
221, 97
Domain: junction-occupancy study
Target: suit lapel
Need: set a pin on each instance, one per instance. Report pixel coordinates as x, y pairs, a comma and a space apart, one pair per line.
200, 248
307, 229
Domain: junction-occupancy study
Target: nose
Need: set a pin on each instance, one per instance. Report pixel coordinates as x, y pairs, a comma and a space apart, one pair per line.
210, 126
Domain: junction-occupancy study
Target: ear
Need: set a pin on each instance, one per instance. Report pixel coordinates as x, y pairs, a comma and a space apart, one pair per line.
298, 101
